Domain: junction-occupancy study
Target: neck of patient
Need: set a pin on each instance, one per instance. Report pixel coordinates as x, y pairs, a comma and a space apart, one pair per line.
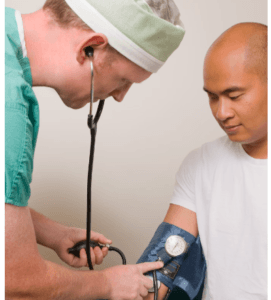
258, 149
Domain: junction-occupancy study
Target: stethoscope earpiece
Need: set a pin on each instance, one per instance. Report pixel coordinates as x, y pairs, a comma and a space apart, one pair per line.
89, 51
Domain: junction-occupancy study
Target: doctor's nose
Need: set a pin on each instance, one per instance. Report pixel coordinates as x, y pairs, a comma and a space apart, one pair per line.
120, 93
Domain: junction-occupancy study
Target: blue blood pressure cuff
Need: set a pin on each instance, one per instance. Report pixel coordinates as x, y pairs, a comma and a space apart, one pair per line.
191, 275
186, 271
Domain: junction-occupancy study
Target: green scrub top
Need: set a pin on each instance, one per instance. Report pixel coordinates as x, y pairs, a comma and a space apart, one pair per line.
21, 117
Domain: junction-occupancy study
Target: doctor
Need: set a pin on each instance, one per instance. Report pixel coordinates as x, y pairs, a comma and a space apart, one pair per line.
47, 48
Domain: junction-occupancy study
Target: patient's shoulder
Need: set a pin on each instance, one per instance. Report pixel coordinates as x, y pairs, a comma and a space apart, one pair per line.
211, 154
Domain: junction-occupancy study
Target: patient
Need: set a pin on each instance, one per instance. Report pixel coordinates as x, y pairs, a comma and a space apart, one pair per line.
221, 187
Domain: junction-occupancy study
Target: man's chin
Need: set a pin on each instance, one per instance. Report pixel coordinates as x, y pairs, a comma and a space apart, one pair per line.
76, 105
72, 104
238, 138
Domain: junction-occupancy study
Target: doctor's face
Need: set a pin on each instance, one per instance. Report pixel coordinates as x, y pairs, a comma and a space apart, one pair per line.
237, 97
113, 76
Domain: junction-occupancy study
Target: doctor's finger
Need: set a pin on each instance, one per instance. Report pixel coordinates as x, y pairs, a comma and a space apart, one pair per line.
98, 255
147, 282
149, 266
83, 258
98, 237
143, 292
93, 258
105, 251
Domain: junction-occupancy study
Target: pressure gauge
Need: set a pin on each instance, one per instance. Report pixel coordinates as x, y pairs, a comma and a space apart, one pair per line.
175, 245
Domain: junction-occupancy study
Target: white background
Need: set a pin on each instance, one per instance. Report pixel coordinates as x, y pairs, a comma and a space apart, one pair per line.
141, 142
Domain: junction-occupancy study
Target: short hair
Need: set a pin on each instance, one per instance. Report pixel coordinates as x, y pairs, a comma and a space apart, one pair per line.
63, 15
256, 52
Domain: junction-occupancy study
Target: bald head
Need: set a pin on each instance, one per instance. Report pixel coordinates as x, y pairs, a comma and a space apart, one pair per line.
245, 43
235, 79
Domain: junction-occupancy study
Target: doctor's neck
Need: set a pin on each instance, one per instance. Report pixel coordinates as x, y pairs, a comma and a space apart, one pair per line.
50, 48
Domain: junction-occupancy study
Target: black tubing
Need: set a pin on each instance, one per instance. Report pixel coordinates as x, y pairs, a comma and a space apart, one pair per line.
90, 168
120, 253
93, 129
92, 124
99, 111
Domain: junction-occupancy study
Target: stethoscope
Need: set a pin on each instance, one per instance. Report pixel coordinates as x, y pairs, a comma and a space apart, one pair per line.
92, 124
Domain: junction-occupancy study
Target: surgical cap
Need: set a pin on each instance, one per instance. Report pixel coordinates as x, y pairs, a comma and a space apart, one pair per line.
145, 34
167, 10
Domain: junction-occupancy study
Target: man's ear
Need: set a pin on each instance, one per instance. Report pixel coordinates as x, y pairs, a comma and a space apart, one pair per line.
96, 41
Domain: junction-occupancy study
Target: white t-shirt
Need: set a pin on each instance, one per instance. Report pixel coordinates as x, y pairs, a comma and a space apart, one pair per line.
227, 189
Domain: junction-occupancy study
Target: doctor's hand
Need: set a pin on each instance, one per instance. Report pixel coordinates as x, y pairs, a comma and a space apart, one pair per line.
74, 235
129, 282
161, 293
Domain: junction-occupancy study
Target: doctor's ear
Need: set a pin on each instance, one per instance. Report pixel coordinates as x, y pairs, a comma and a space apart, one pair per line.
95, 41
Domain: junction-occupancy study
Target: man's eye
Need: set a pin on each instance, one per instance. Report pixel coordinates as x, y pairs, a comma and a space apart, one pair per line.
234, 97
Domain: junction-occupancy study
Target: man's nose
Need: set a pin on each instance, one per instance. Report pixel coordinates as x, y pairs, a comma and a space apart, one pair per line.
120, 93
224, 110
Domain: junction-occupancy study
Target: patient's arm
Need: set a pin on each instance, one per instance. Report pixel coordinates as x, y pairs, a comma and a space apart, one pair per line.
182, 217
185, 219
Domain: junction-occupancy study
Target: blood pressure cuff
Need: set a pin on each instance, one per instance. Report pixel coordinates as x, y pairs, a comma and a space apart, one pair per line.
191, 275
185, 272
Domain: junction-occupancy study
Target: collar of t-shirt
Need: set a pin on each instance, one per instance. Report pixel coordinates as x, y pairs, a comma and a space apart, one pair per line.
248, 158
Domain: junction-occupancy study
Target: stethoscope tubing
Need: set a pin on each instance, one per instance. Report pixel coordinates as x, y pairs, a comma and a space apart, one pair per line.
92, 124
93, 129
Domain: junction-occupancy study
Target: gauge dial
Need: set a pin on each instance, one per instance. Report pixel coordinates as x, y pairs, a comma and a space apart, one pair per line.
175, 245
